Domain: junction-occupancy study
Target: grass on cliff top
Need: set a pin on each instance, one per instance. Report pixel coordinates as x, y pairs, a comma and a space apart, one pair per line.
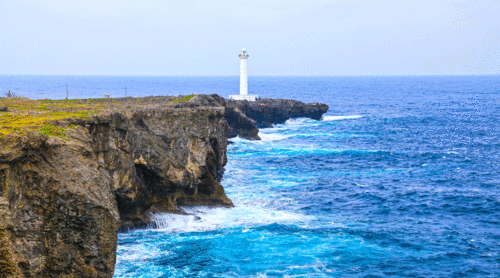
184, 99
51, 130
31, 115
26, 114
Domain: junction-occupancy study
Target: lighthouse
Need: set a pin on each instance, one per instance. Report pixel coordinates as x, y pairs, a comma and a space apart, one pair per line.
243, 79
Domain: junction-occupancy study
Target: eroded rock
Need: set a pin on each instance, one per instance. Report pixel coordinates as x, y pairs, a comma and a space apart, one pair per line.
63, 200
246, 117
58, 212
161, 159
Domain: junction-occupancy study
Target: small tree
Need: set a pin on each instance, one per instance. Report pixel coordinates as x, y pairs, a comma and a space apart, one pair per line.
9, 94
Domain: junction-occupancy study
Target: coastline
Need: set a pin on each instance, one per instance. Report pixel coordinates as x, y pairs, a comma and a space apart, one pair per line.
133, 157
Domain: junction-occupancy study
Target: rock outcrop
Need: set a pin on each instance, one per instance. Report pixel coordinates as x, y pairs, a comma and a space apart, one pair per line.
64, 197
63, 200
246, 117
160, 159
268, 112
58, 214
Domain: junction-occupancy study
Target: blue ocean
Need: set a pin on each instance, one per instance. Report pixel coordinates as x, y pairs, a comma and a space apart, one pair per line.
401, 178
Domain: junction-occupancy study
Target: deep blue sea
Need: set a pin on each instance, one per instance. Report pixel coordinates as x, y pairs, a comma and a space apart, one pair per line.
401, 178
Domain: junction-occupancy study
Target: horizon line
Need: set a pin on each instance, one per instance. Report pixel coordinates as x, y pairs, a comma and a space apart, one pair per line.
268, 75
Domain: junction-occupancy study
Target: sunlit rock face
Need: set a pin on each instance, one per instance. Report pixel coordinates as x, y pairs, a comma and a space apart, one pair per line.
160, 159
63, 199
58, 214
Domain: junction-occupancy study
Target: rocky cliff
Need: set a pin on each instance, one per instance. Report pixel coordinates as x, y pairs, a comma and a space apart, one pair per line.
58, 213
160, 159
67, 189
246, 117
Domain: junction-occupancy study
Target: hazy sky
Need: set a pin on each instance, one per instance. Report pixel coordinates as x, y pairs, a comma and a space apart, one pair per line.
187, 37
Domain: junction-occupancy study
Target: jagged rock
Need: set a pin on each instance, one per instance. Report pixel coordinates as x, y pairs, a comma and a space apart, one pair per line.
3, 109
267, 112
68, 197
244, 117
63, 200
140, 161
58, 212
161, 159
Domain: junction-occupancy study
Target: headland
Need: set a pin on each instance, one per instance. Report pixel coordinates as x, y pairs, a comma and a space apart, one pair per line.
75, 172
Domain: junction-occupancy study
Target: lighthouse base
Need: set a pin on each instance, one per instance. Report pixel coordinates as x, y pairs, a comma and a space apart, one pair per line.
244, 97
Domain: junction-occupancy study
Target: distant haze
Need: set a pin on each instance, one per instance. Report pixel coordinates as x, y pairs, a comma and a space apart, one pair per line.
320, 37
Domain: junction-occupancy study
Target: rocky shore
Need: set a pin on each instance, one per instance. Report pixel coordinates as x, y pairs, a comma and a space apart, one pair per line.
66, 192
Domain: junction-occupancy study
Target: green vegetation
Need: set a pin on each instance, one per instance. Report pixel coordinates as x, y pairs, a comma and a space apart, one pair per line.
50, 130
31, 115
184, 99
25, 114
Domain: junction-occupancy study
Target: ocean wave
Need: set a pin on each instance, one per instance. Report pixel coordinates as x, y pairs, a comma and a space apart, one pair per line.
265, 137
236, 139
293, 124
336, 135
137, 251
299, 121
269, 137
270, 148
200, 219
276, 135
339, 118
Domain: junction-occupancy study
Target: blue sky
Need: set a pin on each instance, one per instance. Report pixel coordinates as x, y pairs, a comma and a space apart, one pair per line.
322, 37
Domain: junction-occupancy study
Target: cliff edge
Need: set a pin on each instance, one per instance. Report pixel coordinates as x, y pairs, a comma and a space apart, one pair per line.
75, 172
246, 117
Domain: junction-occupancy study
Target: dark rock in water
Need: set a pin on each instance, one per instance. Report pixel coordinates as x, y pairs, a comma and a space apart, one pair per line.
267, 112
3, 109
245, 117
238, 123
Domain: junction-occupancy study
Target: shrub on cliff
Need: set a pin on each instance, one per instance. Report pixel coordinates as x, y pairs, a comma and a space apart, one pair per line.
51, 130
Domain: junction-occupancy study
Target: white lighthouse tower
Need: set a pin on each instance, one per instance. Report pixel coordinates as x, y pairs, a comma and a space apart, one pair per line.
243, 79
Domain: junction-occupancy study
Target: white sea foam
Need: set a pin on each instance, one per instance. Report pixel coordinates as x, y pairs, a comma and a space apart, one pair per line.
269, 137
298, 121
358, 184
138, 251
236, 139
339, 118
205, 219
292, 124
338, 135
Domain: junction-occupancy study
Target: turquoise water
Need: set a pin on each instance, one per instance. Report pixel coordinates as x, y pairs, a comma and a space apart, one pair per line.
400, 179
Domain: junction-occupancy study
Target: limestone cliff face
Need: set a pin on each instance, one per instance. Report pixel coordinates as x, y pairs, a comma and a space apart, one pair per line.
57, 210
63, 200
268, 112
238, 123
246, 117
160, 159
